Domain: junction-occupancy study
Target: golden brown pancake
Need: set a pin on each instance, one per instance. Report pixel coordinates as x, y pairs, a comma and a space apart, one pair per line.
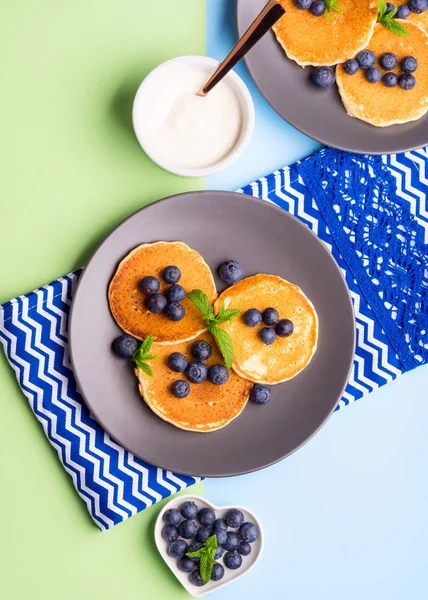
127, 302
317, 41
286, 357
208, 407
378, 104
421, 20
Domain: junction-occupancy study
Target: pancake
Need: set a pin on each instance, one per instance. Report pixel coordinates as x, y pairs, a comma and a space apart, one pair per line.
378, 104
318, 41
286, 357
127, 302
421, 20
208, 407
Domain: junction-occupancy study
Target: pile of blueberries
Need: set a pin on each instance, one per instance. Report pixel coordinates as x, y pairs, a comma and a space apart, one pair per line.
180, 525
168, 303
366, 60
196, 371
275, 326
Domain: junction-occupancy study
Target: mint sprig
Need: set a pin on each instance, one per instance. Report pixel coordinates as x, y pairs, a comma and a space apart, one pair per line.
206, 557
142, 355
331, 5
212, 321
387, 19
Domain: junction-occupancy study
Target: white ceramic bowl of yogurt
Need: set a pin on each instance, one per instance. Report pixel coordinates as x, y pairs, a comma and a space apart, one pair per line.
184, 133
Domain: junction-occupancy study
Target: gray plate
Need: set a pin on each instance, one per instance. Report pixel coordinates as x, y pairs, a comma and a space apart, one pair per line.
318, 113
265, 238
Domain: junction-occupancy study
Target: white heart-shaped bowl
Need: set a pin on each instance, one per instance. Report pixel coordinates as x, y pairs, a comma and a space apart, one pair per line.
248, 562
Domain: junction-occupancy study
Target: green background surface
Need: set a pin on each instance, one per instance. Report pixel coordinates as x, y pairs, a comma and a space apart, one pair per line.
70, 170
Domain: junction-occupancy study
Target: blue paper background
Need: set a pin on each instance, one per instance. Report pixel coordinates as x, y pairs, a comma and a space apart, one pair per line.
346, 517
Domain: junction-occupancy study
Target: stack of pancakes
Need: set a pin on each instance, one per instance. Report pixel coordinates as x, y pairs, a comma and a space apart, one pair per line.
317, 41
209, 407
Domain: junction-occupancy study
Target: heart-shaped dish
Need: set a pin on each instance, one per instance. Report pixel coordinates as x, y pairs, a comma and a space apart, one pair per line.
248, 562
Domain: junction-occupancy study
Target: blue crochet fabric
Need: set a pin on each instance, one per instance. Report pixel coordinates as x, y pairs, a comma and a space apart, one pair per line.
381, 240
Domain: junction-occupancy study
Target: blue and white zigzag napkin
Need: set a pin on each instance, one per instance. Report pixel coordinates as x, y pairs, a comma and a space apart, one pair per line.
372, 214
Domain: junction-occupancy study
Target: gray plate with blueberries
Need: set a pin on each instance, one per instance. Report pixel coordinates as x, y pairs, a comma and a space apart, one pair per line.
264, 239
319, 113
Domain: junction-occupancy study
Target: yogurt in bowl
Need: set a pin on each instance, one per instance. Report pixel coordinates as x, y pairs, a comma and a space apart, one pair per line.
187, 134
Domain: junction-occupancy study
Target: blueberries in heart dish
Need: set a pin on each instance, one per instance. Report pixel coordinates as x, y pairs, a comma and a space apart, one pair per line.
206, 542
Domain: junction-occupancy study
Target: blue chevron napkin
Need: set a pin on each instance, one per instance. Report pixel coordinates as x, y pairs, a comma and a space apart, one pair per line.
372, 214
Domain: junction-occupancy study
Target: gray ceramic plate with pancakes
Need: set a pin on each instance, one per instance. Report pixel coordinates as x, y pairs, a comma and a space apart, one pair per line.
265, 239
318, 113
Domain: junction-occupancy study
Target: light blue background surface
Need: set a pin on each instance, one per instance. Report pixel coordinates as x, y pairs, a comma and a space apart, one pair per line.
346, 517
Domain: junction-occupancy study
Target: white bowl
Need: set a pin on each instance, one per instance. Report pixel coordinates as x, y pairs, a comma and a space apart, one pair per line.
242, 94
248, 562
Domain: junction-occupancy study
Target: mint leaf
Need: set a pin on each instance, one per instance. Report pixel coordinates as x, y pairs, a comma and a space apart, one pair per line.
211, 542
148, 357
382, 8
196, 553
224, 344
144, 367
206, 567
226, 315
394, 26
332, 5
202, 303
147, 344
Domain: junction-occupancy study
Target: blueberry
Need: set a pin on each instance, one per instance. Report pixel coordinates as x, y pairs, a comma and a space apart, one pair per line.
231, 271
201, 350
390, 79
125, 346
324, 77
186, 564
232, 560
193, 547
171, 274
234, 518
403, 12
181, 389
407, 81
244, 549
196, 579
177, 362
175, 293
373, 75
196, 372
218, 374
217, 572
175, 311
170, 533
318, 8
351, 66
156, 303
187, 529
260, 394
189, 510
252, 317
270, 316
172, 516
366, 59
248, 532
221, 537
177, 549
149, 285
303, 4
232, 541
418, 6
219, 525
203, 534
388, 61
206, 517
219, 553
409, 64
284, 328
267, 335
389, 7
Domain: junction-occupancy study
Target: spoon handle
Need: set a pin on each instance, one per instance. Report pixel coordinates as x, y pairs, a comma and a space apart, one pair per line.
271, 13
